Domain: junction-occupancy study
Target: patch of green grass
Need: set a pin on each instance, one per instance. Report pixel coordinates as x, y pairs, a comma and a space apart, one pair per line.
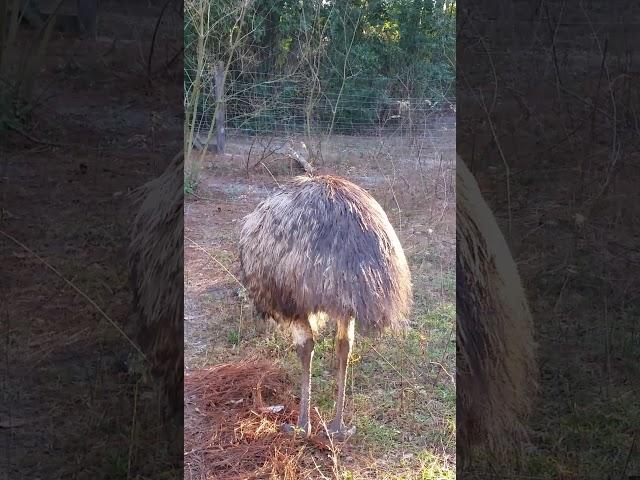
447, 282
274, 344
96, 280
433, 468
628, 345
437, 317
324, 346
208, 298
376, 433
225, 257
446, 395
117, 465
192, 172
233, 337
543, 465
325, 397
347, 475
604, 431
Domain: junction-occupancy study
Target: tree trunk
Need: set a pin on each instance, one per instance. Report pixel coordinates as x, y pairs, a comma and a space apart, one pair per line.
220, 106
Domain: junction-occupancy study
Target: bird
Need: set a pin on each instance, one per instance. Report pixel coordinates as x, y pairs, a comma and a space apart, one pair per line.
496, 368
155, 261
321, 250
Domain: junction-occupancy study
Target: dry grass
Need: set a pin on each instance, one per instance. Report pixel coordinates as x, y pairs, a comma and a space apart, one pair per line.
232, 434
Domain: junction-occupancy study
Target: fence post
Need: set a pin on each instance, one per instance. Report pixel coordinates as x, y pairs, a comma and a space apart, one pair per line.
220, 106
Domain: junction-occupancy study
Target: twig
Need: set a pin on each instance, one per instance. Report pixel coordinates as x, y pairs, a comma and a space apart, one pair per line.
488, 112
84, 295
334, 452
615, 148
173, 59
153, 38
413, 385
274, 178
589, 145
133, 429
626, 463
24, 134
201, 198
246, 166
553, 32
265, 155
215, 260
444, 370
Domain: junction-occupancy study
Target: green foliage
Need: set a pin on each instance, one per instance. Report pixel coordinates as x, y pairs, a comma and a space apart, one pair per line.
433, 468
17, 78
338, 64
191, 177
233, 337
377, 433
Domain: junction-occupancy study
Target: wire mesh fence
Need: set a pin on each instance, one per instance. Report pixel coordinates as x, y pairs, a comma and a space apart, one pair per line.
289, 105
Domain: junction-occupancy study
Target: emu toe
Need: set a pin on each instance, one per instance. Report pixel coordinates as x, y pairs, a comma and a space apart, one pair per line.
293, 430
340, 432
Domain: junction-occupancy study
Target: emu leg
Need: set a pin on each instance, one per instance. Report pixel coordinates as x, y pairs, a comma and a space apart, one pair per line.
303, 338
344, 343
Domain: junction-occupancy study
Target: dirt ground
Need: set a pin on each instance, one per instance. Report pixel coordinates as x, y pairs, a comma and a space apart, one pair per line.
75, 402
401, 393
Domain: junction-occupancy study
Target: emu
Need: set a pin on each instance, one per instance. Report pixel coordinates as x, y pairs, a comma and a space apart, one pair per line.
321, 248
156, 265
496, 366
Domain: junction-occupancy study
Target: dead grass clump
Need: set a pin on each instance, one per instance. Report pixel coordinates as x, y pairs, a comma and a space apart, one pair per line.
232, 425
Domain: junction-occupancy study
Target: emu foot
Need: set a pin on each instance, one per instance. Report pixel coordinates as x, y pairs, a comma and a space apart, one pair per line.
339, 431
303, 431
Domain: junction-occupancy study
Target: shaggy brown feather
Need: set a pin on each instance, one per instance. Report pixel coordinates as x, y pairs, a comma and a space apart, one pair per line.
156, 266
323, 244
496, 367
